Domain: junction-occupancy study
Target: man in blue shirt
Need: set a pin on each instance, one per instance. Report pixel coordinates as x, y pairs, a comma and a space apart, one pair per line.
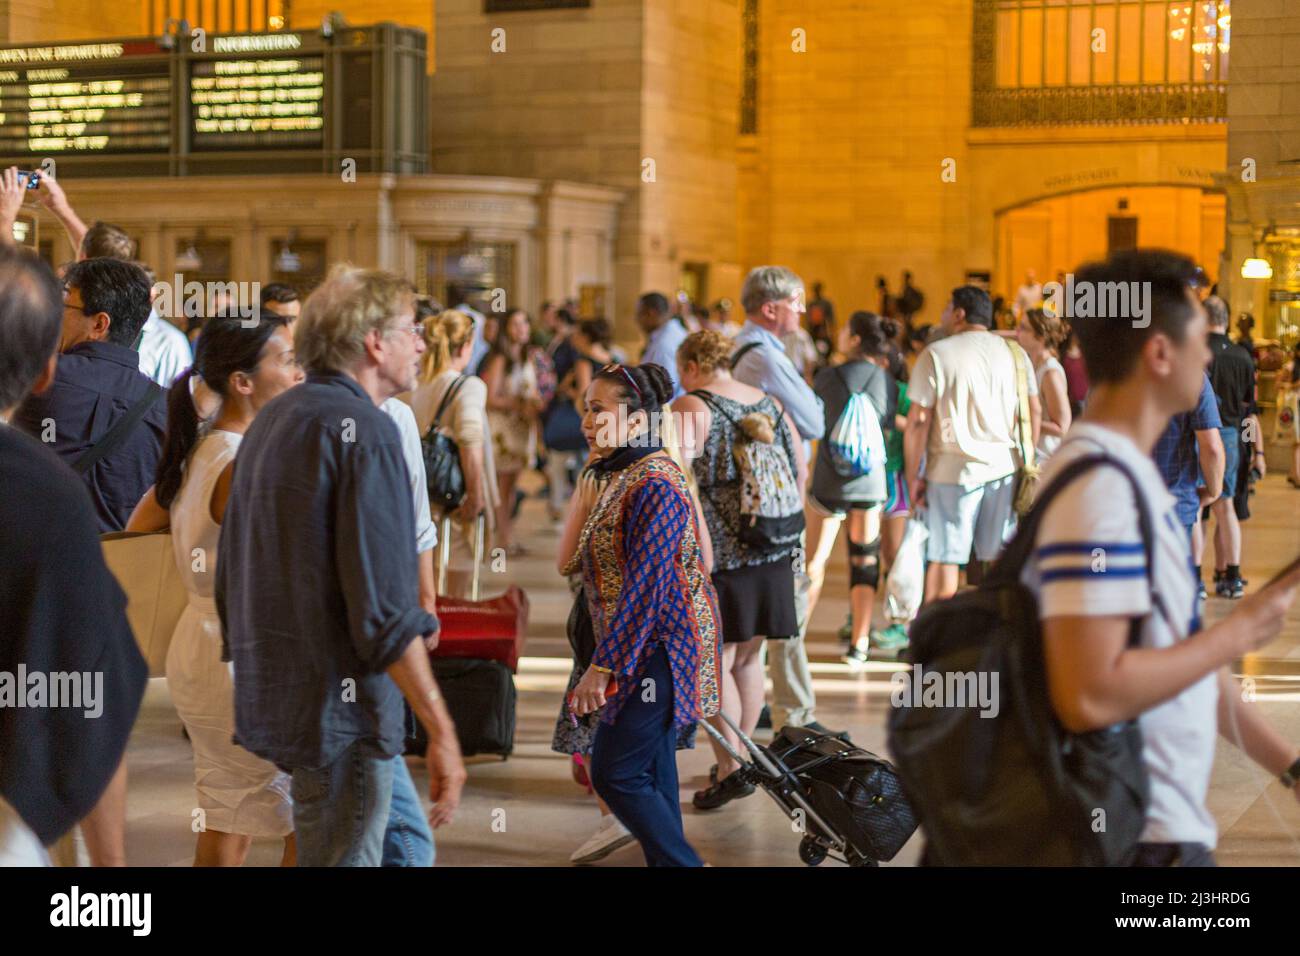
772, 297
664, 334
1191, 450
98, 385
317, 585
773, 300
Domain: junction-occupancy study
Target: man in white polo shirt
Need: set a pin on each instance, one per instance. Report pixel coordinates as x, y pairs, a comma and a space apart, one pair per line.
1093, 576
963, 423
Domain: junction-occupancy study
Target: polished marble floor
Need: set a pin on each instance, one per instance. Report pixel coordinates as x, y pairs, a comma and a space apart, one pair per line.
526, 811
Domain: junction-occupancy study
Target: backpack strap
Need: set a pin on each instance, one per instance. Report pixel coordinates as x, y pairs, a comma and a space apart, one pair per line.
741, 352
708, 399
446, 400
1018, 550
113, 438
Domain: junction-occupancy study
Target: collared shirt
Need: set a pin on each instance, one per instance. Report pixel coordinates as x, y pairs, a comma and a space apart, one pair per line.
95, 385
770, 369
164, 350
661, 349
1232, 376
426, 535
317, 585
1176, 454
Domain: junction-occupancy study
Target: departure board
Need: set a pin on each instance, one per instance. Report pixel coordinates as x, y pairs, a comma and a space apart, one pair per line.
101, 98
236, 104
260, 91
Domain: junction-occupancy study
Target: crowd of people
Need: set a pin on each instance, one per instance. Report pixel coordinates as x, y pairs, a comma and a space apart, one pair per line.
700, 493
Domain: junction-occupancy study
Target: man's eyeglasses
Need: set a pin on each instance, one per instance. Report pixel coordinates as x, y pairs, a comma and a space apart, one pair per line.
416, 331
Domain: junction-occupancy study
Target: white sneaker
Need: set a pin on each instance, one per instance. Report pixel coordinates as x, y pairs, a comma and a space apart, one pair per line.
609, 836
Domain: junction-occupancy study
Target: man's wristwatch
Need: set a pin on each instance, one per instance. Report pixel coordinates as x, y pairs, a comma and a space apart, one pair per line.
1291, 775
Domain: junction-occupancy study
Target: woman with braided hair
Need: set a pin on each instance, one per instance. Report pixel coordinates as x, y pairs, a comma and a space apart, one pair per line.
654, 667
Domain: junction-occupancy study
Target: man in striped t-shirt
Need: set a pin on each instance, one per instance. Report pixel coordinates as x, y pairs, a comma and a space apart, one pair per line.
1093, 575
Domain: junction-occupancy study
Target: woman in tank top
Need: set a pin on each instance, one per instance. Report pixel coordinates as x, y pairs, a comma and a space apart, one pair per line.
240, 796
1040, 334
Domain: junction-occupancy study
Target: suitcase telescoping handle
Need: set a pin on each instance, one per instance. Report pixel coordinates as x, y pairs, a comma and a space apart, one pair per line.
444, 552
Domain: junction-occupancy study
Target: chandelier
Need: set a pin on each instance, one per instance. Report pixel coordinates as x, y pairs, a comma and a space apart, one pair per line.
1213, 33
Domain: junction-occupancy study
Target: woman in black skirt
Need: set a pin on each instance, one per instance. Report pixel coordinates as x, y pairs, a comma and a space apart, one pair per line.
755, 590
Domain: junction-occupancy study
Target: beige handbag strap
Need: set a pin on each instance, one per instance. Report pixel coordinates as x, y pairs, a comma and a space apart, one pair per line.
1024, 425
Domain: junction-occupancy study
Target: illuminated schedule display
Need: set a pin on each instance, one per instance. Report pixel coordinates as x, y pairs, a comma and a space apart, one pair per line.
87, 98
247, 103
258, 104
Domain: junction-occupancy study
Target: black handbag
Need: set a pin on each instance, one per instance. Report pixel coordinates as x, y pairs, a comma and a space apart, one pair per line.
442, 471
581, 632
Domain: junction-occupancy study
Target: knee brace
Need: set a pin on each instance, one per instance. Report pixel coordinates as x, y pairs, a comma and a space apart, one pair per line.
864, 564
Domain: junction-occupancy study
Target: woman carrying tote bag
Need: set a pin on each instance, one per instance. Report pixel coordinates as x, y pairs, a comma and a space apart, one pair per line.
241, 796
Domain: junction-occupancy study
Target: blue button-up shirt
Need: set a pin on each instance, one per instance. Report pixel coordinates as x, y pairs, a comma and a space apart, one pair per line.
96, 384
317, 585
1176, 454
769, 368
661, 349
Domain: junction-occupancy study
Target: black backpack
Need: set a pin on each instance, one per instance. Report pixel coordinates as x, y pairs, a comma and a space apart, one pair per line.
442, 471
1017, 789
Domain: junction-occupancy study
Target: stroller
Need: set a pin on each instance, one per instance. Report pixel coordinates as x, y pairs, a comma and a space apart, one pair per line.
847, 802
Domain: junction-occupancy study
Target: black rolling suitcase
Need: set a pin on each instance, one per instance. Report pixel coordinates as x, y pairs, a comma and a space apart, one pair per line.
479, 693
480, 696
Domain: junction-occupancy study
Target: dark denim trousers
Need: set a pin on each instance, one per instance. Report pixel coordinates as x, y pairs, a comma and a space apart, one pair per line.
341, 811
634, 768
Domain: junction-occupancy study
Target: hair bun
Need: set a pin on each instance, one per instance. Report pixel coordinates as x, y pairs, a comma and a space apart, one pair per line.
660, 382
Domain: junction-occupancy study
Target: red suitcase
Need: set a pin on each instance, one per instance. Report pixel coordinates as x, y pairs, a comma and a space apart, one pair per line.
488, 630
491, 630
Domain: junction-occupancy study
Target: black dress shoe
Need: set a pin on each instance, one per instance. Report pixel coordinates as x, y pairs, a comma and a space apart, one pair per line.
723, 792
765, 718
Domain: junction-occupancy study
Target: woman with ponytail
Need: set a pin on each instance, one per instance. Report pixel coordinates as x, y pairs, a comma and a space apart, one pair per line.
1041, 335
449, 343
654, 669
835, 499
241, 796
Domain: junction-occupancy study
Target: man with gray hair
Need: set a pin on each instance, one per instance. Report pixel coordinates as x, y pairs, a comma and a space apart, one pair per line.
317, 588
773, 300
1232, 377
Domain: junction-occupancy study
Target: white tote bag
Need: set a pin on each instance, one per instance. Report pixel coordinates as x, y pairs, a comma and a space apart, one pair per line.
145, 567
905, 586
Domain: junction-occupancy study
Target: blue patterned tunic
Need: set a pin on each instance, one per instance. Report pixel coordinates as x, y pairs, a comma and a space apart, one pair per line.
648, 593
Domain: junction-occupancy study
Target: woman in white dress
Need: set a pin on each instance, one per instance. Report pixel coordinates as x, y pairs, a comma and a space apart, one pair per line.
240, 796
1041, 334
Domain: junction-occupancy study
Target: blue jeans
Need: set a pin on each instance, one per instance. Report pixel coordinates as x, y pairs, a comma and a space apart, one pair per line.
634, 768
340, 810
408, 841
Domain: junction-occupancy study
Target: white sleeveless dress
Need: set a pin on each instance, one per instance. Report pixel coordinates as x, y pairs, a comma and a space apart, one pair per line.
237, 791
